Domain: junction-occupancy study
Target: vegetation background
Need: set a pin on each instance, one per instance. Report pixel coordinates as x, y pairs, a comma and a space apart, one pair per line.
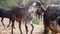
8, 3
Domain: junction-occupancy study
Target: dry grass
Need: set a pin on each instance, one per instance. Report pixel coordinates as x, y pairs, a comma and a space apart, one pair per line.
4, 30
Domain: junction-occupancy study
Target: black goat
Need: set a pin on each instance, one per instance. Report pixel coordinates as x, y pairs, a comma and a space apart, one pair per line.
51, 17
6, 14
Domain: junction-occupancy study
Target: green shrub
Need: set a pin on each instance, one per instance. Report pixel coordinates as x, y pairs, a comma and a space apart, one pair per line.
42, 30
35, 21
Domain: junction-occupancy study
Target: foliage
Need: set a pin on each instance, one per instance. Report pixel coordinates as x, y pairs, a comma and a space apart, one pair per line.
8, 3
35, 21
42, 30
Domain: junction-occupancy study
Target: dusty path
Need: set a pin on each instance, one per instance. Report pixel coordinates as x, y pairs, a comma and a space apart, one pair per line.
16, 31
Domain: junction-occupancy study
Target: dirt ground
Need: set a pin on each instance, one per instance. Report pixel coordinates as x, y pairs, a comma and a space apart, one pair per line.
5, 30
